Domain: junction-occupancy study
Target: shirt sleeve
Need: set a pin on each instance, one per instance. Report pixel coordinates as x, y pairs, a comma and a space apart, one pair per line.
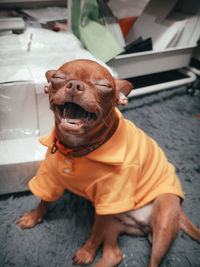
114, 193
45, 185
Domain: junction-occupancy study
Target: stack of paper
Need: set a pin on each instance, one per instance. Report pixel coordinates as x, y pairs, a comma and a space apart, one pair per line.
166, 25
46, 14
9, 23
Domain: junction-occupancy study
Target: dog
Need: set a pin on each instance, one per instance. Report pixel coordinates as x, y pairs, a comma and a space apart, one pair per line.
94, 152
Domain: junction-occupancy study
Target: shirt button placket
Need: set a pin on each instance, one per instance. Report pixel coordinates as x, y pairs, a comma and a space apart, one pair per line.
67, 161
68, 170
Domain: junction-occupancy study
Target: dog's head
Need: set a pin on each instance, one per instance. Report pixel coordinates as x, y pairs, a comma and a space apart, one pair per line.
83, 95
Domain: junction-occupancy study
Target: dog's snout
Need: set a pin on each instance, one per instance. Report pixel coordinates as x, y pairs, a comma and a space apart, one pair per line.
75, 85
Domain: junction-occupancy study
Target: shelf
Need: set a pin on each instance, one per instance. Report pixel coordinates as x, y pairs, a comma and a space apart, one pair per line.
187, 78
139, 64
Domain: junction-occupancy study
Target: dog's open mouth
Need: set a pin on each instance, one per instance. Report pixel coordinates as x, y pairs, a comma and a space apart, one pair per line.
72, 116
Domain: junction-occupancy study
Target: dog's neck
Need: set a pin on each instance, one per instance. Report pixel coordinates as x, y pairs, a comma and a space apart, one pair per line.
82, 145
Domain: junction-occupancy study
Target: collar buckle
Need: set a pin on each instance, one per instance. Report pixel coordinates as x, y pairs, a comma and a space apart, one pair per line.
54, 147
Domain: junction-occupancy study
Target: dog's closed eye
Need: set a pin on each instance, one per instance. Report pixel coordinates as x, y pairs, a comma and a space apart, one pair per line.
103, 86
59, 79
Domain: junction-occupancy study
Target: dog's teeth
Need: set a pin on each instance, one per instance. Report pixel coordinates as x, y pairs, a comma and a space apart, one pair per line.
73, 111
65, 112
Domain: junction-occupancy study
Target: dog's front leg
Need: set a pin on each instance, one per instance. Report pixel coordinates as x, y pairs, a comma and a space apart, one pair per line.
86, 254
106, 230
112, 255
30, 219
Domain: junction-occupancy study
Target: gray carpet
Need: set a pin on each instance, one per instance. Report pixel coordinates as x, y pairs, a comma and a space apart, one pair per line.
170, 117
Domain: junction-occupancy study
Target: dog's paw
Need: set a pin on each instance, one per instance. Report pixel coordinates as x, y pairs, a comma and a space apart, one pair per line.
83, 257
29, 220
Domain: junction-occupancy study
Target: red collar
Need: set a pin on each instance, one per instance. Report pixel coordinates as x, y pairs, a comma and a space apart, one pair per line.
75, 152
58, 146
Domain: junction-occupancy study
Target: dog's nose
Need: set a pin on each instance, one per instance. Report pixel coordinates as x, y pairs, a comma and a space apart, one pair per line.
75, 86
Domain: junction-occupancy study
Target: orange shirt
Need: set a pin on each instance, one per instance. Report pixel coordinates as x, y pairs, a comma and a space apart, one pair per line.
126, 172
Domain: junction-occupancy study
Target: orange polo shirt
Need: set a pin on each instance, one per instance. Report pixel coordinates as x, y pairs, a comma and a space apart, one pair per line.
126, 172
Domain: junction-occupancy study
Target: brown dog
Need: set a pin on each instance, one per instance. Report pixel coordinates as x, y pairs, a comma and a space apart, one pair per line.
97, 154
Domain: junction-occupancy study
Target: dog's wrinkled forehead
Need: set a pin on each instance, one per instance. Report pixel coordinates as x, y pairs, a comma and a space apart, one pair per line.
85, 70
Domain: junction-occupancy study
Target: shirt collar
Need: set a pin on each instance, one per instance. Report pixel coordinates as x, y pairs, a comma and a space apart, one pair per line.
111, 152
49, 139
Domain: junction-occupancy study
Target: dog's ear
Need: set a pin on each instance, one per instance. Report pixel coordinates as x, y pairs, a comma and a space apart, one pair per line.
123, 88
48, 75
